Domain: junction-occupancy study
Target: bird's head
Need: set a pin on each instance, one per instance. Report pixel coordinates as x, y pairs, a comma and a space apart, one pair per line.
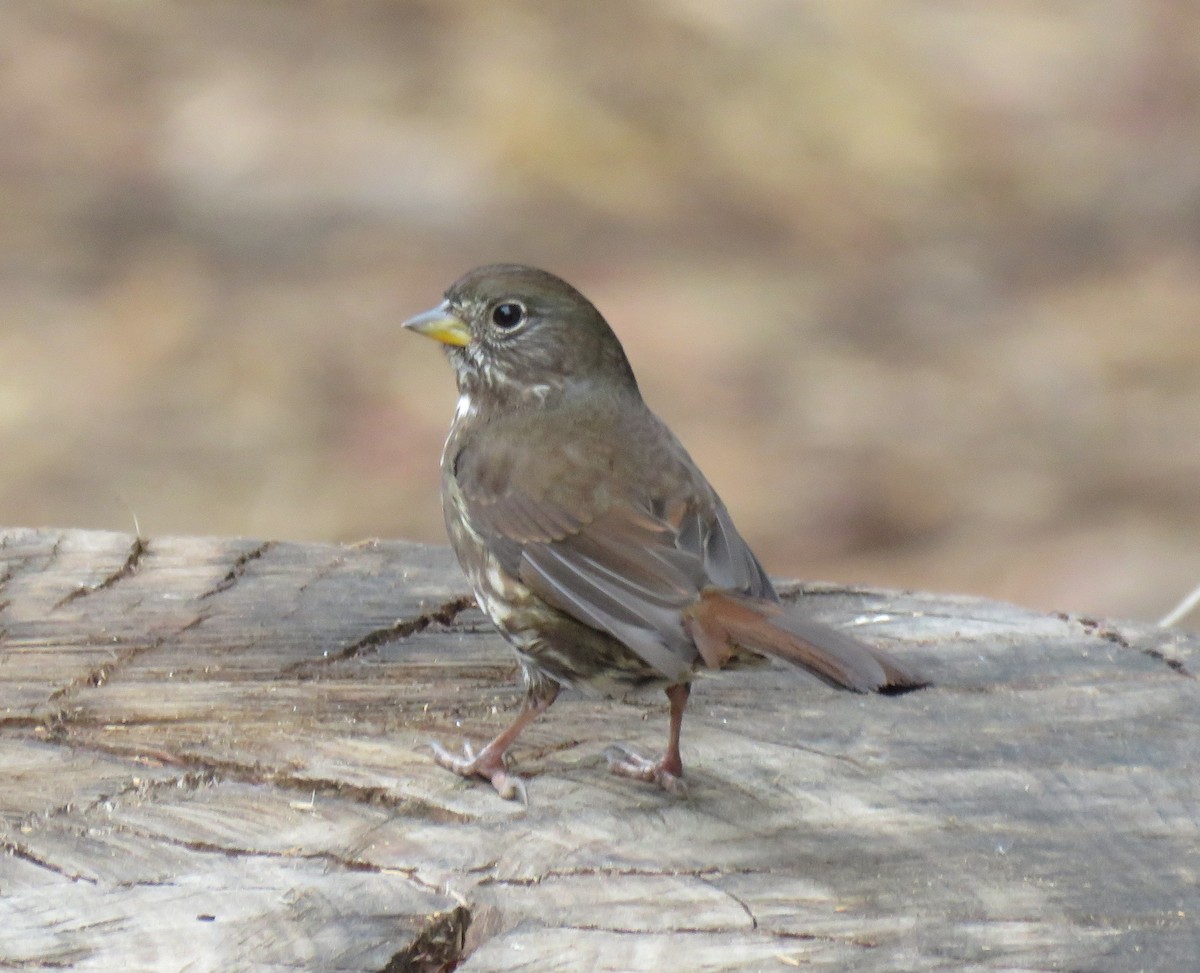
515, 334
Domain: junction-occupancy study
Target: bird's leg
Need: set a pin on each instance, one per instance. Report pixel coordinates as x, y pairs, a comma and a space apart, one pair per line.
667, 771
672, 762
489, 762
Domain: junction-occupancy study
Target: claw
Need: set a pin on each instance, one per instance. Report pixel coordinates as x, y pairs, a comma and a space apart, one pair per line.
511, 787
627, 763
484, 764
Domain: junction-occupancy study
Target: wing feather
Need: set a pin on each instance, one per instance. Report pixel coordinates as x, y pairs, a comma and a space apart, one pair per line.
625, 558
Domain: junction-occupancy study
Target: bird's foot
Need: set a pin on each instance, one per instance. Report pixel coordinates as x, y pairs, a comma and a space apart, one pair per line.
488, 764
665, 772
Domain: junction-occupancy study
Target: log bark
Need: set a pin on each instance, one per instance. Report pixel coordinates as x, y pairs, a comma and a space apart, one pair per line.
213, 756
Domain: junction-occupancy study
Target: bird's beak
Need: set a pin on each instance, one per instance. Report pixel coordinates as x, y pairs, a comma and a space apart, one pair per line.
441, 324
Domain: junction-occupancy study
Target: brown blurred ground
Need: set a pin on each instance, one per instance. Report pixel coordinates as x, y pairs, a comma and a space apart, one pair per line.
918, 283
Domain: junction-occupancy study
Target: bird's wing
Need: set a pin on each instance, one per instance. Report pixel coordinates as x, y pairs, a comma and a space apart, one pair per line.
596, 534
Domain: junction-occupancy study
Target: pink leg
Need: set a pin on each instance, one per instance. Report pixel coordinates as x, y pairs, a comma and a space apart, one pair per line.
678, 696
489, 762
667, 772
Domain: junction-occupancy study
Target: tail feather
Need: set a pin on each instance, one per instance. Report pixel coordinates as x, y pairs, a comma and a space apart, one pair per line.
720, 622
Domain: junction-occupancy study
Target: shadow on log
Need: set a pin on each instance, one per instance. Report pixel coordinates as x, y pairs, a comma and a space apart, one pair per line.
213, 757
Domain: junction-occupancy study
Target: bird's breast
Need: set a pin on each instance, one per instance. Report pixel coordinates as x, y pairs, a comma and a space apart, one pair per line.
502, 597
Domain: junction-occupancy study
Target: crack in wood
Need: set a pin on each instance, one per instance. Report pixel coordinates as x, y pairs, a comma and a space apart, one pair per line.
1111, 634
329, 858
10, 572
708, 876
98, 676
26, 854
327, 571
214, 771
17, 568
140, 787
9, 721
758, 740
740, 902
55, 550
443, 615
1175, 665
363, 794
704, 931
137, 550
812, 937
135, 786
703, 874
438, 948
239, 568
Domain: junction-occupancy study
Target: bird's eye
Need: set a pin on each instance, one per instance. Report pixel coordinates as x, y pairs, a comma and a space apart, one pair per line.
508, 315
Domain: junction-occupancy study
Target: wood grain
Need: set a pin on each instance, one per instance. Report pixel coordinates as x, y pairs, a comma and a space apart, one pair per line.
213, 757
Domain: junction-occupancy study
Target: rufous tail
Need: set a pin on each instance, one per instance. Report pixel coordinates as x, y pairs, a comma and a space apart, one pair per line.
721, 622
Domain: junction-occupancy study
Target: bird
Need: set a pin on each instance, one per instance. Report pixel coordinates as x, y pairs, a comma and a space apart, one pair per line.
591, 539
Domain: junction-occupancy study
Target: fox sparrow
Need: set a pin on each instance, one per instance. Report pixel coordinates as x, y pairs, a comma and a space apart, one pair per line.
592, 540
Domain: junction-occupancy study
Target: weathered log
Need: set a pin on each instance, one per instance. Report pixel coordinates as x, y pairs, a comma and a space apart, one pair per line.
213, 757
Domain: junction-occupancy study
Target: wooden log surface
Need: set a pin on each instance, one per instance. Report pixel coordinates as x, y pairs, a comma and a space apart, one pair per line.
213, 757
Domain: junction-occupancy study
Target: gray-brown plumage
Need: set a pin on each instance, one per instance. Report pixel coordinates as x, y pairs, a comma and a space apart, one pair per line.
590, 537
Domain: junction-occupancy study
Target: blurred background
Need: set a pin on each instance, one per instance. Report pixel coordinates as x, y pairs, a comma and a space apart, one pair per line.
918, 283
